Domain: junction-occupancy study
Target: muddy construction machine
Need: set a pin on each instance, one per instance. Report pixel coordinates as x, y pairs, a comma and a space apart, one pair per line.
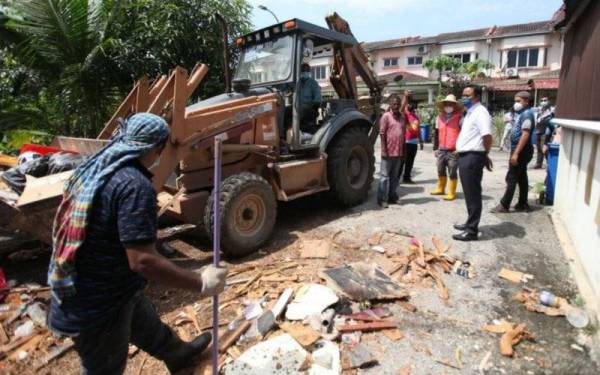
269, 154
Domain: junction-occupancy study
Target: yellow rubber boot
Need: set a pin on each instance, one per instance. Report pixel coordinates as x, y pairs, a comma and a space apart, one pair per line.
441, 186
451, 190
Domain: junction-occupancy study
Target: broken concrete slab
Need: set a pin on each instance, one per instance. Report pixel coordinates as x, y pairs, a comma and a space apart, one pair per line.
310, 299
326, 359
279, 355
363, 282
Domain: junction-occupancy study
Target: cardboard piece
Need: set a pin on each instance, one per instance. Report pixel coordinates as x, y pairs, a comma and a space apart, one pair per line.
43, 188
393, 334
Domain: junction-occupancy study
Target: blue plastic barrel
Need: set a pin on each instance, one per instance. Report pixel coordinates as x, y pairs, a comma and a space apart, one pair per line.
552, 171
425, 132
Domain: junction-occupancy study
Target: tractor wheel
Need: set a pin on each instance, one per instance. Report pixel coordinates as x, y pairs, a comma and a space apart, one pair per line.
350, 166
248, 212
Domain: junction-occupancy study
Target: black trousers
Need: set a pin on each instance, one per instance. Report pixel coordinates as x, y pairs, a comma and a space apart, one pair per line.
470, 169
409, 159
517, 175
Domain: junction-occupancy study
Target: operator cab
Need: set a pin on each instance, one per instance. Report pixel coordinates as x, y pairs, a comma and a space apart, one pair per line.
271, 59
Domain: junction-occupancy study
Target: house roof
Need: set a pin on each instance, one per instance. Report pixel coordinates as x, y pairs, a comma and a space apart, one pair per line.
475, 34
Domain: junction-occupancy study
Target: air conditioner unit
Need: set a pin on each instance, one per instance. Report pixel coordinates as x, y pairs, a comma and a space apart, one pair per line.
423, 50
512, 72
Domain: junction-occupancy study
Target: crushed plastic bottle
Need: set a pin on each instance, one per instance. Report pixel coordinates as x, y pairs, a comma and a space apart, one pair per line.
577, 317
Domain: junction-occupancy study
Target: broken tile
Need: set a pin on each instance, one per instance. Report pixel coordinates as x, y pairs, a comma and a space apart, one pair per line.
358, 356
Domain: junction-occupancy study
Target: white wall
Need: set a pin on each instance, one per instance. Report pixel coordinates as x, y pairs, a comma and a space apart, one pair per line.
577, 198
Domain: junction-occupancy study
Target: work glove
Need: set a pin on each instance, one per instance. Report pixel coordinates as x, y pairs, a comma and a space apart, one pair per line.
213, 280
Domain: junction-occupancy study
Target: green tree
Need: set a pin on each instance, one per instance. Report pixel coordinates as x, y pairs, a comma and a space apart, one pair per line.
442, 64
63, 44
80, 57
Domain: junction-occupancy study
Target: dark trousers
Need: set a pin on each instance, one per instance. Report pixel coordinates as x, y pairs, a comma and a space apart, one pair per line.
470, 169
517, 175
104, 350
410, 152
389, 177
539, 145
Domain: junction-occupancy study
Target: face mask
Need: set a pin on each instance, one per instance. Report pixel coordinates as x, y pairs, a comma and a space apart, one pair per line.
467, 102
448, 109
518, 106
543, 104
304, 75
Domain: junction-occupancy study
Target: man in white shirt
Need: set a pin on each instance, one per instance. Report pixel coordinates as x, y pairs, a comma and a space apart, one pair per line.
473, 144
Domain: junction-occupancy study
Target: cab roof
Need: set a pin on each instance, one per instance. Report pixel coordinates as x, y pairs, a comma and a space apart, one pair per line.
321, 34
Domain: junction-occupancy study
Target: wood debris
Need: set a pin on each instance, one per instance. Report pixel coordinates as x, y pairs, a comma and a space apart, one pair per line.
512, 338
393, 334
421, 263
305, 335
371, 326
514, 276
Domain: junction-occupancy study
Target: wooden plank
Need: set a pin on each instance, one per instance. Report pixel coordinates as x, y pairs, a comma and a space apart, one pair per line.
8, 161
305, 335
371, 326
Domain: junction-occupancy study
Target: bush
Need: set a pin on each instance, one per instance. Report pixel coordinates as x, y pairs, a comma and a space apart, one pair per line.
498, 123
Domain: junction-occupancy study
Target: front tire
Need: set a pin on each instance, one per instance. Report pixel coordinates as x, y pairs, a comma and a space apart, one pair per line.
248, 210
350, 166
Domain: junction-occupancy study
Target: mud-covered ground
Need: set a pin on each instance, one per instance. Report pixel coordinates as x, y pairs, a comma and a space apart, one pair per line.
437, 331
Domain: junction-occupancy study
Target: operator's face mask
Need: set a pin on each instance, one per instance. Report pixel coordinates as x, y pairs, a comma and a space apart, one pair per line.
304, 75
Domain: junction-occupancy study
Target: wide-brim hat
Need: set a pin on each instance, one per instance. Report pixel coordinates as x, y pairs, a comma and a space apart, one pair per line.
449, 99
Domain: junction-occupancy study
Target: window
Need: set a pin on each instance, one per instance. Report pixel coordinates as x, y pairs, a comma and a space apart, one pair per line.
319, 72
462, 57
523, 58
267, 62
390, 61
415, 60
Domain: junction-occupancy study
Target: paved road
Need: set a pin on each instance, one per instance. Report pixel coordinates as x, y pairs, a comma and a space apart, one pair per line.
522, 241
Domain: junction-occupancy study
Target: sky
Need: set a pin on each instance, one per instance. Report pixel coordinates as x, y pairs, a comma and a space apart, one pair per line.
374, 20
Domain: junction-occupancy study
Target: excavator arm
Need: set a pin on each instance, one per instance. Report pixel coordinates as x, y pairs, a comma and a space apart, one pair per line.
350, 61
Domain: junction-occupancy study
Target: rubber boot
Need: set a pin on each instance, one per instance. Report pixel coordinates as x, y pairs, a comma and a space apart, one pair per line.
451, 190
441, 186
179, 354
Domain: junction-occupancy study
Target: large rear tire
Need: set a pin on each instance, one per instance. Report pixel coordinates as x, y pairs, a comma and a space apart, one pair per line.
350, 166
248, 212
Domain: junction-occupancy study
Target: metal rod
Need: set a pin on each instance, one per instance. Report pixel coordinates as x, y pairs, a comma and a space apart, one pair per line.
216, 252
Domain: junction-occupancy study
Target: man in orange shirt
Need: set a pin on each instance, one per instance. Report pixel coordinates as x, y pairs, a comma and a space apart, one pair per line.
448, 128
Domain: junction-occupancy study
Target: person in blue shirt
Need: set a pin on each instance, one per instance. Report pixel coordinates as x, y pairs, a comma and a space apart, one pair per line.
106, 309
521, 153
310, 98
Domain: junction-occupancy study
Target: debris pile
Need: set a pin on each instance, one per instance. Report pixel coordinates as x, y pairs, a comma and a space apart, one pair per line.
24, 335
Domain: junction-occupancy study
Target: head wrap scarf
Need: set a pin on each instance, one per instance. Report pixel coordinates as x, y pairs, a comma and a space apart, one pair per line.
144, 131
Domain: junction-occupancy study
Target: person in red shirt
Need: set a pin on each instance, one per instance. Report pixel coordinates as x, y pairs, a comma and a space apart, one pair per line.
447, 129
412, 138
391, 130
